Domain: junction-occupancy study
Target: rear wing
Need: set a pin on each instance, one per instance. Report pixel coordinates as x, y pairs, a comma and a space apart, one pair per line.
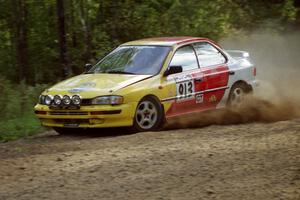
238, 54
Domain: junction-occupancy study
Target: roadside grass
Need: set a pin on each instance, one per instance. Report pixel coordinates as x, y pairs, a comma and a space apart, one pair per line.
16, 110
24, 126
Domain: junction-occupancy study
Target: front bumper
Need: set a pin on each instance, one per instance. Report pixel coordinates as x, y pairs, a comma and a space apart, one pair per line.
96, 116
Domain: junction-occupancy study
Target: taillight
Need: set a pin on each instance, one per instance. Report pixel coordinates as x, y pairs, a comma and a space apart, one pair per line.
254, 71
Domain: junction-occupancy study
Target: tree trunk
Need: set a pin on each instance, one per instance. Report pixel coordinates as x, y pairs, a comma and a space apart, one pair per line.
62, 39
84, 19
20, 37
73, 25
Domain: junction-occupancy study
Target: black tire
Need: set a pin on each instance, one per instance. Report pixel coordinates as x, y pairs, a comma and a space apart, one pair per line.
237, 94
149, 115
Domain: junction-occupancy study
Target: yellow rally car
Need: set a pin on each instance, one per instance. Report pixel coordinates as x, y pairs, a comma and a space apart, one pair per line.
143, 83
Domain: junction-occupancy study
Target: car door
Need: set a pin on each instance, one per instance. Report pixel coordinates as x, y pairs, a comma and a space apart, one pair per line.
188, 83
213, 64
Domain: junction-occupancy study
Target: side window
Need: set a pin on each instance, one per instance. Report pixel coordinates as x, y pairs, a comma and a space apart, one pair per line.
208, 55
185, 57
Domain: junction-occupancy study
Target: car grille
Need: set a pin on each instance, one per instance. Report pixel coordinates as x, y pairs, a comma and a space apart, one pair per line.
79, 121
68, 113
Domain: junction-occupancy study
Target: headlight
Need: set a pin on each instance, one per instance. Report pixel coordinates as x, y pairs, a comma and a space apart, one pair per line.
76, 100
57, 99
112, 100
66, 100
48, 100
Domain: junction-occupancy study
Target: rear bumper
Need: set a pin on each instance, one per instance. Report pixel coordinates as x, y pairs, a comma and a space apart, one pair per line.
100, 116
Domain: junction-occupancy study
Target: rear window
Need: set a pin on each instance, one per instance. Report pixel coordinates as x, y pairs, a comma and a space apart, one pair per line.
208, 55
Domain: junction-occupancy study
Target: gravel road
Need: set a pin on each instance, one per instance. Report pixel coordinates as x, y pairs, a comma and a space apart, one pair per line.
247, 161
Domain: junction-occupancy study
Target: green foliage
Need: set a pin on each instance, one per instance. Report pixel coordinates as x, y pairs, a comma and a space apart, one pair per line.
16, 109
17, 99
289, 11
19, 127
95, 27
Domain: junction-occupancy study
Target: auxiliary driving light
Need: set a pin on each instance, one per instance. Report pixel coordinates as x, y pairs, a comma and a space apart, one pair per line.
48, 100
76, 100
42, 99
57, 99
66, 100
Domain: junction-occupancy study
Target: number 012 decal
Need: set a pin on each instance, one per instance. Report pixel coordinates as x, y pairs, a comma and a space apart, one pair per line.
185, 88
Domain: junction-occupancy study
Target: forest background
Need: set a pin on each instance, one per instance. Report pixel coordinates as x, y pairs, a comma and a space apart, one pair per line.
45, 41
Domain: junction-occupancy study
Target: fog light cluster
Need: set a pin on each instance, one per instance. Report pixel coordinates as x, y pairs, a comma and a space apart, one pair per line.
60, 100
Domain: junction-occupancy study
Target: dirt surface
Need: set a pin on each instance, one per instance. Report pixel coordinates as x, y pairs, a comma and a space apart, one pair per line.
248, 161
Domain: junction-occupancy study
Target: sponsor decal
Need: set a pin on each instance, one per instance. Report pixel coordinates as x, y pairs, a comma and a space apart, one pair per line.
212, 99
199, 98
82, 87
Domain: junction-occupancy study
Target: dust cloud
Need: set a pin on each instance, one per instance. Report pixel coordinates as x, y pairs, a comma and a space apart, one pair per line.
277, 59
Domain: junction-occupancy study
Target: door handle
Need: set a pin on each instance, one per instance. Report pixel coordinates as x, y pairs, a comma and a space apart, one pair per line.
231, 72
198, 79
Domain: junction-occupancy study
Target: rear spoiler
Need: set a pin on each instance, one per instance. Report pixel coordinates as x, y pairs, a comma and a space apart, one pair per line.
238, 54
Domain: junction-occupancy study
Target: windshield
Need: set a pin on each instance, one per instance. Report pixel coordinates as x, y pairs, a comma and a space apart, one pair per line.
144, 60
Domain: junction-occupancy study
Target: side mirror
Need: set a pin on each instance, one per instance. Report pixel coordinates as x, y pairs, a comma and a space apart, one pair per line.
173, 70
87, 67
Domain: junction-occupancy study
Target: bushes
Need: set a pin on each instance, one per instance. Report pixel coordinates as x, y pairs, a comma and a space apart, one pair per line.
16, 109
19, 127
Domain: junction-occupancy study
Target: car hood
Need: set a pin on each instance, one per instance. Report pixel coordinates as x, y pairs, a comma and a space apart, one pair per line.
91, 85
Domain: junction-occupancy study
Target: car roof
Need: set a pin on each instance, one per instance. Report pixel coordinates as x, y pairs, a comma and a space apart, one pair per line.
164, 41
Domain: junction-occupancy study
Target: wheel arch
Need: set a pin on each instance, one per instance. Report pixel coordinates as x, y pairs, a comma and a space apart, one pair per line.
242, 82
156, 98
239, 82
162, 110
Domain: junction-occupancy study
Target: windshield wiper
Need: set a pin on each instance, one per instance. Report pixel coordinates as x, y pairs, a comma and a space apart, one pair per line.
118, 72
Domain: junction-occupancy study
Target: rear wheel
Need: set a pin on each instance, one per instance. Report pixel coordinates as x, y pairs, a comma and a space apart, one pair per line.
237, 94
149, 115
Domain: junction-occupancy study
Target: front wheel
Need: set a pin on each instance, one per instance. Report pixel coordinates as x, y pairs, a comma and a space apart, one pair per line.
149, 115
